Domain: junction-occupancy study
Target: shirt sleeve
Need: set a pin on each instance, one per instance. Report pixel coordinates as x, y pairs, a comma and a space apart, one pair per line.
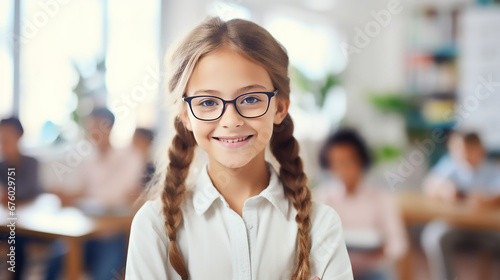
147, 251
131, 173
329, 258
494, 189
496, 181
440, 180
490, 178
123, 180
392, 227
26, 179
444, 167
30, 179
3, 175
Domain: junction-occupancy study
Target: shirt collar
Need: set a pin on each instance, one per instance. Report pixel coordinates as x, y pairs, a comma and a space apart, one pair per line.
205, 192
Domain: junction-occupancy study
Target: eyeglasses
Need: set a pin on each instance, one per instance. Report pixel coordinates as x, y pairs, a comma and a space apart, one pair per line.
248, 105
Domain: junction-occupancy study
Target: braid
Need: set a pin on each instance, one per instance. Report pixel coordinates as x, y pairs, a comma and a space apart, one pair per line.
286, 150
180, 154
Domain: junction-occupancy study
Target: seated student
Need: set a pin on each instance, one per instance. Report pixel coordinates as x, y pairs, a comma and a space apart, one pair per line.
109, 180
463, 176
142, 142
364, 210
109, 177
26, 186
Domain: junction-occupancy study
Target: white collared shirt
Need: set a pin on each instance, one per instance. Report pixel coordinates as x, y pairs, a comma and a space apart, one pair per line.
217, 243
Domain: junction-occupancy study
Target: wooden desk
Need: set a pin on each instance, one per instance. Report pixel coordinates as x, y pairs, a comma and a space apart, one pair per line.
74, 227
418, 209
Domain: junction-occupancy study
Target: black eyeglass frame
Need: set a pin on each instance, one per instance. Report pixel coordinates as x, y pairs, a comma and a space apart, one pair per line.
224, 102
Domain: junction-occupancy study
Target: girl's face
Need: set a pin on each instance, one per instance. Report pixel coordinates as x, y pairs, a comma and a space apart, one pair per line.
226, 73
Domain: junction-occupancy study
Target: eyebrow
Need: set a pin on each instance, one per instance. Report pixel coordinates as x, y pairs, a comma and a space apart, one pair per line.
241, 90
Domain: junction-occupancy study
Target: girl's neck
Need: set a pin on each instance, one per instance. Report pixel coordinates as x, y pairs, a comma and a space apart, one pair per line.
238, 184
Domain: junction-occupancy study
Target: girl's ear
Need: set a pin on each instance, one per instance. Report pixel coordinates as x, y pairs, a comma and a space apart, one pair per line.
185, 120
281, 110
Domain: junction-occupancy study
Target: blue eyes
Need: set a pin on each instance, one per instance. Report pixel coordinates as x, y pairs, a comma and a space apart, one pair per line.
208, 103
250, 100
242, 100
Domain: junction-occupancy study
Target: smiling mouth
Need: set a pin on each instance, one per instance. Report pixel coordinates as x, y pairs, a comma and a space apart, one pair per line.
233, 140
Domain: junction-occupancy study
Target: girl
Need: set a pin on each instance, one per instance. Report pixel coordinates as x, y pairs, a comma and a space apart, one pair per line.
241, 219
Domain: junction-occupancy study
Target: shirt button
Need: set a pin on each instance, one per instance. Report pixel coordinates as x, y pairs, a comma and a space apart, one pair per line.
250, 227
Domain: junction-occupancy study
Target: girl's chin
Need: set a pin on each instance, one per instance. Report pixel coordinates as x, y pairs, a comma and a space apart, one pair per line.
233, 162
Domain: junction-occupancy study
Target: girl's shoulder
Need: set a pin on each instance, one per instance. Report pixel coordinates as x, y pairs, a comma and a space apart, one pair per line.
150, 215
151, 212
329, 256
151, 208
323, 217
326, 226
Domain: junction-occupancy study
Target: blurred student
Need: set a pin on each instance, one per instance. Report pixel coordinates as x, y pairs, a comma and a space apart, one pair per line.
365, 211
108, 180
25, 178
109, 177
27, 186
142, 141
464, 175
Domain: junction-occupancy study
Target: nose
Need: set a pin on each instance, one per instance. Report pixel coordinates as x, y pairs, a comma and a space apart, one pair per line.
230, 118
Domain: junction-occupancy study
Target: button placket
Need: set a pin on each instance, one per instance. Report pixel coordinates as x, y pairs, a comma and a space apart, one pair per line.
240, 245
250, 217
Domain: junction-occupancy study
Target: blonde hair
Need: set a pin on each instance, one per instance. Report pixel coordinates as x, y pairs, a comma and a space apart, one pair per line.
255, 43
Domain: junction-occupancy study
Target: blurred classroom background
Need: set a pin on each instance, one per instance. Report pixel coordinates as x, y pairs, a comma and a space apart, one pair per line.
416, 83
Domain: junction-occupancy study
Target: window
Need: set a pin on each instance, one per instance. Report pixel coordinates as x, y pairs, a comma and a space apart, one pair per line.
132, 62
55, 39
112, 46
313, 48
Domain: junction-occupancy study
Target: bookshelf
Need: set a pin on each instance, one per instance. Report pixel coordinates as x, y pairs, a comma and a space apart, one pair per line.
442, 67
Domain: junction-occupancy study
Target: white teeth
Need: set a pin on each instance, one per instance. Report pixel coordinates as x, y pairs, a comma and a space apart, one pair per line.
234, 140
